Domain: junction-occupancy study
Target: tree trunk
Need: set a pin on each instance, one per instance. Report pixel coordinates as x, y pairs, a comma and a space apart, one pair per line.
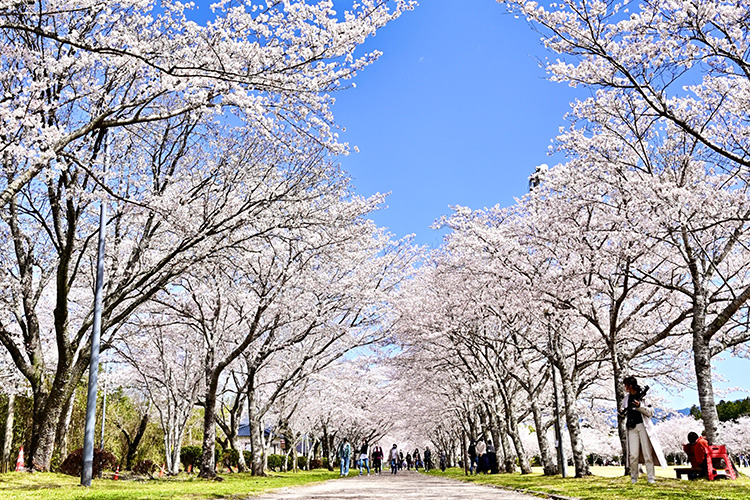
256, 440
512, 426
325, 447
241, 465
133, 444
61, 438
208, 462
574, 426
464, 454
703, 378
48, 408
523, 460
294, 457
509, 464
8, 435
548, 462
622, 431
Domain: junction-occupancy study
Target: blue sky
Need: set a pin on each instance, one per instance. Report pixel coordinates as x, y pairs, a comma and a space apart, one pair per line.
458, 111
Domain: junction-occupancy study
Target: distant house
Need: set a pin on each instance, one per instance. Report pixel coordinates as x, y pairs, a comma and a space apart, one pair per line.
244, 441
243, 438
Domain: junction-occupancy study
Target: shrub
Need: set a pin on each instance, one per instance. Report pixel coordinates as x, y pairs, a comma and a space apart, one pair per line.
301, 462
103, 460
277, 462
230, 458
190, 455
316, 463
327, 464
248, 457
144, 468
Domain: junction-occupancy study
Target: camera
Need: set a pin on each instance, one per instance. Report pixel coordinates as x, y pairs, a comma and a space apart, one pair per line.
638, 396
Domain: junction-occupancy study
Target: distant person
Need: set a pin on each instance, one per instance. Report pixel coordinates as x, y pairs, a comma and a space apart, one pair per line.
472, 457
443, 461
643, 445
394, 457
408, 461
427, 459
401, 460
481, 456
364, 458
417, 459
377, 459
345, 453
491, 458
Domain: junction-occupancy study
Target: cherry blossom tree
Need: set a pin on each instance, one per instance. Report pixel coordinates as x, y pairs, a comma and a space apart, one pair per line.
669, 80
683, 62
72, 69
165, 364
181, 194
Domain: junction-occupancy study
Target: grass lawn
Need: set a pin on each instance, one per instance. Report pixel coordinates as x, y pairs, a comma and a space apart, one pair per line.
25, 486
608, 483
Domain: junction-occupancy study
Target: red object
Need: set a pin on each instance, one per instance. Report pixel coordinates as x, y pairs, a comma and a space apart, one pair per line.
701, 451
20, 461
716, 469
161, 471
117, 474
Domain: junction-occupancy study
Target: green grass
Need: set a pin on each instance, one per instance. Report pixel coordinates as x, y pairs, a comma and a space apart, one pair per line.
25, 486
608, 483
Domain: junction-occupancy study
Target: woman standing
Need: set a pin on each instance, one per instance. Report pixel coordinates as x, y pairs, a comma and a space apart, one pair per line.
643, 445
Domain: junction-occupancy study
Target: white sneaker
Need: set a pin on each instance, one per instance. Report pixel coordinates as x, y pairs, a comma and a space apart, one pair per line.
634, 481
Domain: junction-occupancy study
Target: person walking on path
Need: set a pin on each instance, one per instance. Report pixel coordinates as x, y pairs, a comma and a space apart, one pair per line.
643, 445
345, 453
364, 457
472, 457
491, 458
417, 459
377, 459
394, 459
427, 459
481, 456
443, 460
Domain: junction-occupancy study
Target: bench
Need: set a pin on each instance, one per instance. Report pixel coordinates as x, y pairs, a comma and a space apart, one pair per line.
690, 472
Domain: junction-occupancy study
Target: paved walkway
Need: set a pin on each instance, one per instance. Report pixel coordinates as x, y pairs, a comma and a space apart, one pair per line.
405, 485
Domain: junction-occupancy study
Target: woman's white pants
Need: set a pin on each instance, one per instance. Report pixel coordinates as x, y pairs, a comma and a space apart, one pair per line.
638, 442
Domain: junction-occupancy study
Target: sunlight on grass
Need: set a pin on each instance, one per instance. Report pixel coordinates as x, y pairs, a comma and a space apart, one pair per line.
608, 483
43, 486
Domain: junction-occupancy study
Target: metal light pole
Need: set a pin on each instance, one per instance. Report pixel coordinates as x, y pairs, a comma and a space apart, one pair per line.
88, 438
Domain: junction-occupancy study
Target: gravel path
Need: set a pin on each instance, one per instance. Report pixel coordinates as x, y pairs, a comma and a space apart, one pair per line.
403, 486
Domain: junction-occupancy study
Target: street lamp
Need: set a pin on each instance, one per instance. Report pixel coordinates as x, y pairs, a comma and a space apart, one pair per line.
88, 437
